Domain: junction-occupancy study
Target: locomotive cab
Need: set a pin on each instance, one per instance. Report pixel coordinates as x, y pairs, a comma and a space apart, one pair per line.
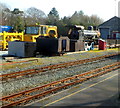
34, 31
75, 32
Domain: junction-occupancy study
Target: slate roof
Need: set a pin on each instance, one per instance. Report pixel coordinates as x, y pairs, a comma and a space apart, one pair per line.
114, 22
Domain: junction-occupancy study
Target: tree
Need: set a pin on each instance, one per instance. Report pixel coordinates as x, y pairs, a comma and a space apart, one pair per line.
17, 11
77, 18
81, 12
66, 20
54, 13
53, 16
5, 14
11, 18
18, 22
95, 20
34, 15
18, 19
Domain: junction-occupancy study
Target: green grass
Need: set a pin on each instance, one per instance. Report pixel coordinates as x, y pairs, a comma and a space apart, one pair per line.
97, 50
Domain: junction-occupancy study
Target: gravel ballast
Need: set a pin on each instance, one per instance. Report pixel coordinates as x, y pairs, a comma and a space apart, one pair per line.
45, 61
40, 79
14, 86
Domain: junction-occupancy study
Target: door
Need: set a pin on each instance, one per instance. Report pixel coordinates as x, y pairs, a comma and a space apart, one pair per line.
105, 33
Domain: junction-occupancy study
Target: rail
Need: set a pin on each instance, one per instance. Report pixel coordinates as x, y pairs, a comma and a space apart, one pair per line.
38, 92
19, 74
19, 62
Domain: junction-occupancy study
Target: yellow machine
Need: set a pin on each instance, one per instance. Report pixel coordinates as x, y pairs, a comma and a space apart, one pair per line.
6, 37
30, 35
34, 31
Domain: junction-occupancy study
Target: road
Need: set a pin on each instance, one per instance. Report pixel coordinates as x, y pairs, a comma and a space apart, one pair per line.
100, 91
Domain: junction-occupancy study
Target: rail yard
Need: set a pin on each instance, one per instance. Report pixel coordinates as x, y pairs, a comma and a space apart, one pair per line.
26, 80
52, 60
39, 63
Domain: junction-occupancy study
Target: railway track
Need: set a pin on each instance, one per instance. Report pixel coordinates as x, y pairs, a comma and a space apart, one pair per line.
6, 77
24, 97
19, 62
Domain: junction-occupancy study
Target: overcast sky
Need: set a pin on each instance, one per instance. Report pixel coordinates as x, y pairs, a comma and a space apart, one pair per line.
105, 9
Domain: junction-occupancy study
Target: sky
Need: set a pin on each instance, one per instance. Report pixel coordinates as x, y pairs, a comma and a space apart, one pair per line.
105, 9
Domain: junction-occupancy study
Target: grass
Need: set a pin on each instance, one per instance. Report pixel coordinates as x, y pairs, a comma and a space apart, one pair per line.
97, 50
20, 65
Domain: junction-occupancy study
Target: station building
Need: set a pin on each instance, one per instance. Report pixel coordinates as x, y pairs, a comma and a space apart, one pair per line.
110, 29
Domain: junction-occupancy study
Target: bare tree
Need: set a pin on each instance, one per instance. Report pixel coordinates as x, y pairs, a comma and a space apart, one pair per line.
4, 14
95, 20
33, 15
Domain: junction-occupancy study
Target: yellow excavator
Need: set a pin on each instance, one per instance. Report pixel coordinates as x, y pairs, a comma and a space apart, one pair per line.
34, 31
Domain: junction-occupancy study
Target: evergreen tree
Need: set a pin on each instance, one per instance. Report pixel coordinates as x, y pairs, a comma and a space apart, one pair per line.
18, 22
53, 16
54, 13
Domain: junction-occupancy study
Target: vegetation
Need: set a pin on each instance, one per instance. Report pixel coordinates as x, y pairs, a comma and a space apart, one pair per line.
19, 19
